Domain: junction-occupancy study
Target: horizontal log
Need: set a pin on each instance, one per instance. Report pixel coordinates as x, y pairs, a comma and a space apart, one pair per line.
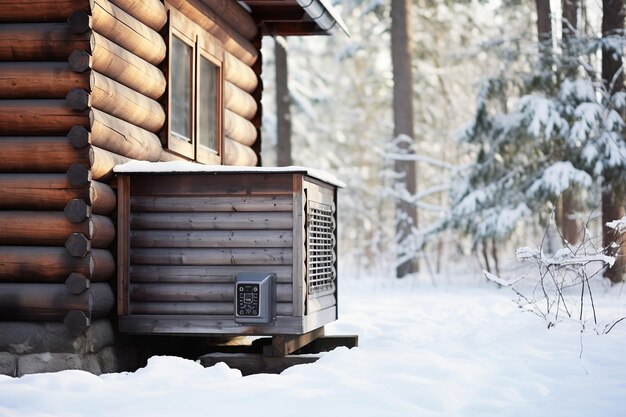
239, 129
194, 256
102, 198
196, 292
150, 12
104, 162
117, 136
237, 154
118, 26
38, 228
122, 102
39, 10
50, 228
239, 101
39, 80
52, 192
204, 308
204, 274
239, 73
38, 117
39, 42
51, 263
212, 221
210, 238
232, 40
53, 301
123, 66
235, 16
167, 156
40, 154
208, 204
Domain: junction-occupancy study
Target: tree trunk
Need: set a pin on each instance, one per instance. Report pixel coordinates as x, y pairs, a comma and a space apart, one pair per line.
612, 202
406, 213
283, 101
544, 22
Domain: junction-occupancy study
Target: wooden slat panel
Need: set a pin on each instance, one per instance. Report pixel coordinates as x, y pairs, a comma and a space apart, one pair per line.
50, 154
200, 273
39, 42
123, 245
207, 204
40, 10
199, 185
210, 239
38, 117
39, 80
211, 221
193, 308
195, 292
193, 256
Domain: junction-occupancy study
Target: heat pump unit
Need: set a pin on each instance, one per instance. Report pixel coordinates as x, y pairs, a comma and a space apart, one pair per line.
226, 250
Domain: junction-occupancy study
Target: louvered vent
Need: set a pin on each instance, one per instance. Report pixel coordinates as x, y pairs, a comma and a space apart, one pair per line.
320, 245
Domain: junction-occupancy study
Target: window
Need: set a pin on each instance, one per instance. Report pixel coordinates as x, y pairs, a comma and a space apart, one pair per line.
194, 91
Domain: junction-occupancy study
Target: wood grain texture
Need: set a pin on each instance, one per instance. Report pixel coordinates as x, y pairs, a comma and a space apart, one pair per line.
103, 163
50, 154
239, 73
39, 80
195, 256
39, 117
150, 12
211, 221
195, 292
47, 263
193, 308
215, 203
122, 138
118, 26
39, 10
203, 274
210, 238
39, 42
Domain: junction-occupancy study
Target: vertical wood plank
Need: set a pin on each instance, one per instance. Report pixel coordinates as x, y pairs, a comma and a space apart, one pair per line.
298, 247
123, 244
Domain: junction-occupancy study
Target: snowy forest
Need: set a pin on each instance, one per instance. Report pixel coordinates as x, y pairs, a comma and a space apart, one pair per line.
516, 136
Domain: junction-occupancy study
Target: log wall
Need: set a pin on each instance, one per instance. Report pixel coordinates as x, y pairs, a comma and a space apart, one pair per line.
82, 88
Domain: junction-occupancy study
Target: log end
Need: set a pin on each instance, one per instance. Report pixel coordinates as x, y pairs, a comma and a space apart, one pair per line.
79, 137
80, 61
78, 245
79, 175
79, 22
77, 283
77, 211
78, 99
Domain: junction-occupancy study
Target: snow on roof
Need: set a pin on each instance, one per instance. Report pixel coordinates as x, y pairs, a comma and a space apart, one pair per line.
145, 167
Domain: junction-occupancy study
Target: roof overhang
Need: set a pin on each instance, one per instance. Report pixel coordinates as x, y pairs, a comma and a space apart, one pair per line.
296, 17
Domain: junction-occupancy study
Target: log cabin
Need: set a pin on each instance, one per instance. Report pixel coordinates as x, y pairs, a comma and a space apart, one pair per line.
93, 262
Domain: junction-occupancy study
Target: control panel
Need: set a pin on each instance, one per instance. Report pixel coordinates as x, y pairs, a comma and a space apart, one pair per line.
255, 298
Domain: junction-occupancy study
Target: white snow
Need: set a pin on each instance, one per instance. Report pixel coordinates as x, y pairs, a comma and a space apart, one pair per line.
449, 351
185, 166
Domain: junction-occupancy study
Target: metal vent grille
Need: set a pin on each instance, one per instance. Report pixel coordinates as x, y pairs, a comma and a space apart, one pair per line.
320, 243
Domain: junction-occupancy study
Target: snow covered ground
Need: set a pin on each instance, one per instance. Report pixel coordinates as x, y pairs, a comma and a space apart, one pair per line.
424, 351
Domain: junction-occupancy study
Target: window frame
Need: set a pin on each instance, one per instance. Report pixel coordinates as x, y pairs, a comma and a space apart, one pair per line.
203, 45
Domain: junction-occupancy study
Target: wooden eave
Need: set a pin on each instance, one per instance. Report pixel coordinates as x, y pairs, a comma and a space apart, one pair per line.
289, 18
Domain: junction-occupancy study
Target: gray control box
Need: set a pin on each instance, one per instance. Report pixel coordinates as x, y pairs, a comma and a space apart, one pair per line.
255, 298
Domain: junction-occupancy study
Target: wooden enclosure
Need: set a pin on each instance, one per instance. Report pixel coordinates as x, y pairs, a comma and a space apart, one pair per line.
183, 237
